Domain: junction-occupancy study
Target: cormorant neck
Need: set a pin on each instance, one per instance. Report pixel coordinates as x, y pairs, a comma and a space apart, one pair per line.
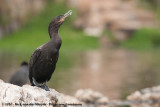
53, 35
53, 30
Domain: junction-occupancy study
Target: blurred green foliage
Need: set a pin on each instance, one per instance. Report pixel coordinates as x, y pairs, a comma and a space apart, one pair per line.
4, 20
35, 33
143, 39
153, 5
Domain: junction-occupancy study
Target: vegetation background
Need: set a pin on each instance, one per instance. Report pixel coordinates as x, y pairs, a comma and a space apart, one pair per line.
143, 46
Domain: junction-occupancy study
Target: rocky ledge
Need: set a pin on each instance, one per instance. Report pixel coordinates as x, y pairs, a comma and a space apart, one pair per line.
29, 96
148, 97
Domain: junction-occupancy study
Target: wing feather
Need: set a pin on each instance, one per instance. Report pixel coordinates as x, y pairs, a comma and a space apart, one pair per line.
34, 57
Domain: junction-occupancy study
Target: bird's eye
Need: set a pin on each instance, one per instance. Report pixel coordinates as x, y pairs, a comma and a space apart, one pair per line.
60, 17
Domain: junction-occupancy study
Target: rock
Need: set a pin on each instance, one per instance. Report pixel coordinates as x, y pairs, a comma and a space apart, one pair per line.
30, 96
15, 95
91, 31
12, 95
90, 96
103, 100
135, 96
70, 99
149, 97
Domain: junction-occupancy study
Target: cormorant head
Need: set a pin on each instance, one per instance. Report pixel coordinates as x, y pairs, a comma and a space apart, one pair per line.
63, 17
58, 21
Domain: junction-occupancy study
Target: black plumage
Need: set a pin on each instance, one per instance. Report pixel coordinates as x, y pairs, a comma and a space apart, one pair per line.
43, 61
20, 77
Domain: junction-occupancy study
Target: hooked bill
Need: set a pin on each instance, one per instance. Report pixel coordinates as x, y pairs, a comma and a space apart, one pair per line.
68, 13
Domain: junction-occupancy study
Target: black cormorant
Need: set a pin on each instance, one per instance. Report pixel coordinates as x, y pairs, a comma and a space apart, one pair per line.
20, 78
43, 61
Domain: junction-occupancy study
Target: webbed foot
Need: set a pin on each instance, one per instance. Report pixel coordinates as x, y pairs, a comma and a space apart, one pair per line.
46, 87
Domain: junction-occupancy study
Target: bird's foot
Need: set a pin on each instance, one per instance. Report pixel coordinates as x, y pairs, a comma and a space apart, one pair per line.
41, 85
45, 87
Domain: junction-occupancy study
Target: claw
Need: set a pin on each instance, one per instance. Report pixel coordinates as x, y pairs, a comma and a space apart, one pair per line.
46, 88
